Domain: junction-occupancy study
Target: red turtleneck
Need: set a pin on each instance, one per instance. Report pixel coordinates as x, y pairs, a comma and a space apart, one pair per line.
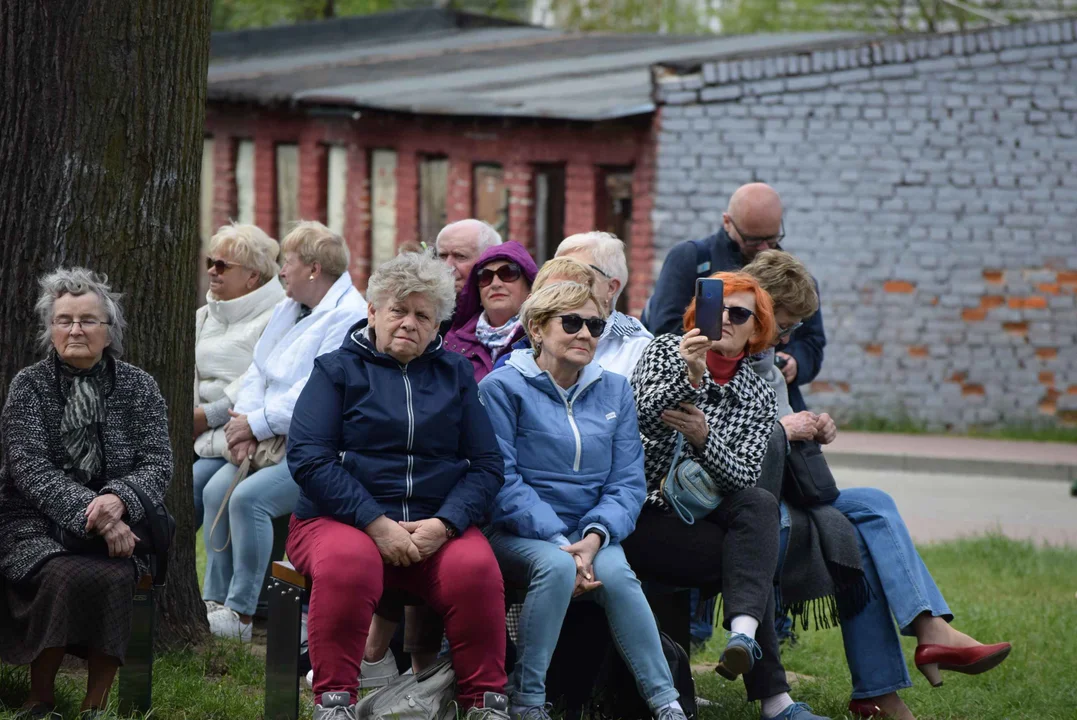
722, 368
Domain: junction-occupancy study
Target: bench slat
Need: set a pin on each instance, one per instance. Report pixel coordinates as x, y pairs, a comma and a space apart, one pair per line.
286, 572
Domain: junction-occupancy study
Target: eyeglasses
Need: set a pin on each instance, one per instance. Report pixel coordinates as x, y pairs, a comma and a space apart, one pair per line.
220, 265
506, 273
755, 240
572, 323
87, 325
738, 315
782, 332
601, 272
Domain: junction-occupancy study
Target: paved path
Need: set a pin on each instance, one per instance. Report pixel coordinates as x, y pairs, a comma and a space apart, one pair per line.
946, 506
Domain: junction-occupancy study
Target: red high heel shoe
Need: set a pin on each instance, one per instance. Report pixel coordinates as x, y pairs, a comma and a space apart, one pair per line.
866, 709
932, 659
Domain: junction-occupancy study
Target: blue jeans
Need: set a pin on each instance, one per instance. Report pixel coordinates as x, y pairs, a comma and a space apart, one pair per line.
900, 584
235, 574
549, 574
203, 469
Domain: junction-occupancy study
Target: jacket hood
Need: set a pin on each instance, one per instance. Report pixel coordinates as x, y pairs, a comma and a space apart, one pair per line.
360, 340
524, 362
469, 305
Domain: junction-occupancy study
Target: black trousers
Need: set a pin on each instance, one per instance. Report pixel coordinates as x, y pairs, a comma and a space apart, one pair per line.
734, 550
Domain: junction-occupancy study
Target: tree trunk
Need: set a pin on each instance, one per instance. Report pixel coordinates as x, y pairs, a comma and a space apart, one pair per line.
101, 125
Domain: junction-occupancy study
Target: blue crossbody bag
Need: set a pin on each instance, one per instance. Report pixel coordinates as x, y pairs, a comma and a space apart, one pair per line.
688, 489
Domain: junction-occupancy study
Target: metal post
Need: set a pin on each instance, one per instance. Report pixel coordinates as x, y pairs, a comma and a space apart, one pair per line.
282, 650
136, 675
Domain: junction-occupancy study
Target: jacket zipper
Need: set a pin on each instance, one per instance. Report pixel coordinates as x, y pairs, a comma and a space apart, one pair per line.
575, 432
411, 437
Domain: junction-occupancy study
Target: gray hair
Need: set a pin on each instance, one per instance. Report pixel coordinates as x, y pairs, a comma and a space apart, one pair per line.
411, 273
79, 281
486, 236
249, 246
607, 250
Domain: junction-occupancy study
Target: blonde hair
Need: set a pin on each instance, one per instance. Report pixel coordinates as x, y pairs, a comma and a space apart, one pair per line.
249, 246
569, 269
787, 281
315, 243
552, 300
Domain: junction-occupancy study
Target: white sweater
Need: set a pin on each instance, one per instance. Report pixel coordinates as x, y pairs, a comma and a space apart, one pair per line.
225, 335
622, 344
284, 357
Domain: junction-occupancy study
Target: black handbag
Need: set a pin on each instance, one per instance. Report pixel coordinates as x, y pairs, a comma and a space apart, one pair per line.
808, 480
155, 533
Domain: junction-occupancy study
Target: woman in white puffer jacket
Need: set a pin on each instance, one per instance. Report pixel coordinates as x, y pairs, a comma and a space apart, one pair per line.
243, 290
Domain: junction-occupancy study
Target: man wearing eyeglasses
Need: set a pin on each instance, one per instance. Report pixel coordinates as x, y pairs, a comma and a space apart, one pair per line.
751, 224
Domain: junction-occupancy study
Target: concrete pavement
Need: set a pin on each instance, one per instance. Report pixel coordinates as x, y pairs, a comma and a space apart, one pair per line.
939, 506
954, 455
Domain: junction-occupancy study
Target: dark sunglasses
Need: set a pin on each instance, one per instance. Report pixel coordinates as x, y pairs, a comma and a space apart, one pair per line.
506, 273
738, 315
220, 265
754, 240
572, 323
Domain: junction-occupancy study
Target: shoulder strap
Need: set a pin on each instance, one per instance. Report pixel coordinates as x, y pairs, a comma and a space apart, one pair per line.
703, 257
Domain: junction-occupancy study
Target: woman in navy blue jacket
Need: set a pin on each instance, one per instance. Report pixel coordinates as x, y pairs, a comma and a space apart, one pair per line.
397, 465
574, 485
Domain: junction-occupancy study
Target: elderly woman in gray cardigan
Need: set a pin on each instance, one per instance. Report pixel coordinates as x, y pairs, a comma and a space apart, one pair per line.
80, 429
900, 585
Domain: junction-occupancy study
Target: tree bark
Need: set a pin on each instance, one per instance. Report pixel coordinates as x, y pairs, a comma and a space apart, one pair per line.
102, 106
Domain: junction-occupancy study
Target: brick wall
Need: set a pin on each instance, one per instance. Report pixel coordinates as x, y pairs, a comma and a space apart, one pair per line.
930, 184
517, 145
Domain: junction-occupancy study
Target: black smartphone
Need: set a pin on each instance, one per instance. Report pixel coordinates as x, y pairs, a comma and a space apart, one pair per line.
709, 302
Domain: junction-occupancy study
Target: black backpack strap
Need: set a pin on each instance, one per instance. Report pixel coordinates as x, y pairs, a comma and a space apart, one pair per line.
162, 527
703, 256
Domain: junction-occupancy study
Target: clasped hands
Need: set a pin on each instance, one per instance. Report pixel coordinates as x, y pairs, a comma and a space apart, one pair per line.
405, 543
240, 437
583, 551
104, 517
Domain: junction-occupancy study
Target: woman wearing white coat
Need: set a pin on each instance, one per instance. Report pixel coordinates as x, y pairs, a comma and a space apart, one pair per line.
321, 305
243, 290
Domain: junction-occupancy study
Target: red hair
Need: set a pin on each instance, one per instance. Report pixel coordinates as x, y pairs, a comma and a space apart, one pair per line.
735, 282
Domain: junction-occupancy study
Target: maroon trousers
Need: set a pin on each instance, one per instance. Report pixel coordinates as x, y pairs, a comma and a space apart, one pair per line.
461, 582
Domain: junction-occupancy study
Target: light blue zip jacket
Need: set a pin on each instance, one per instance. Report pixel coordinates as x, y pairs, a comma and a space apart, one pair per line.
573, 459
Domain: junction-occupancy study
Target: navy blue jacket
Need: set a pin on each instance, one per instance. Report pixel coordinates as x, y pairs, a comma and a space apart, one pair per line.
677, 284
372, 437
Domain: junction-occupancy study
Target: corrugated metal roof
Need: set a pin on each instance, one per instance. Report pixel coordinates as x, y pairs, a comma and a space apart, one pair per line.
448, 63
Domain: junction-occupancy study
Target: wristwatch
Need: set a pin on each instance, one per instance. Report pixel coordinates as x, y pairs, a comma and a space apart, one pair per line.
596, 531
450, 529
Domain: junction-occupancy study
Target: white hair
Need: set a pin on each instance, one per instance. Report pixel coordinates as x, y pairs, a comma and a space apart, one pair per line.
607, 251
411, 273
79, 281
486, 236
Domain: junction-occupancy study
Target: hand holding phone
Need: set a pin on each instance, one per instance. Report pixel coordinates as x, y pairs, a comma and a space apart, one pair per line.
710, 299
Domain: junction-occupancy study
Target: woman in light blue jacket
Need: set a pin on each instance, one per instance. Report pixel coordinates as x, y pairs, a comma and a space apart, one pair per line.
574, 485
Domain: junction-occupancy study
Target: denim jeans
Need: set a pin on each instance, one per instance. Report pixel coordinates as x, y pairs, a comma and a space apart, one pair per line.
549, 574
234, 576
203, 469
900, 584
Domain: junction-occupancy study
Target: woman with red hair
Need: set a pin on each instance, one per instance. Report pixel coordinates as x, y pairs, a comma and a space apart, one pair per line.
699, 400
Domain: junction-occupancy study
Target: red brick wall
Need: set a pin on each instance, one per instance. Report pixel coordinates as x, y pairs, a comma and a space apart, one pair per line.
517, 145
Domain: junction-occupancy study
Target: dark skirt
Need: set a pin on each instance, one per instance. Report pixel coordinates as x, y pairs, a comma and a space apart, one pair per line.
77, 602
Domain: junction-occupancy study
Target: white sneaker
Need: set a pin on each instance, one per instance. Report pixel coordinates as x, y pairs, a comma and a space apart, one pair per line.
228, 625
213, 606
372, 674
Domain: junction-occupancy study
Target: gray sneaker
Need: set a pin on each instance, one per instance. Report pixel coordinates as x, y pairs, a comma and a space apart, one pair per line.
538, 712
495, 706
335, 706
670, 713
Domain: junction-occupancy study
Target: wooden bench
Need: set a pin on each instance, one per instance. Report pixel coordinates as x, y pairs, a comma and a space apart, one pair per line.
136, 675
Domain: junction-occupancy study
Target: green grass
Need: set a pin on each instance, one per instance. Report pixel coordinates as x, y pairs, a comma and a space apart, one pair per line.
904, 425
998, 589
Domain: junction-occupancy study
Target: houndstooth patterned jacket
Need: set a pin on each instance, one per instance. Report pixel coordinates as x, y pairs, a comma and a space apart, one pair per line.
740, 414
34, 488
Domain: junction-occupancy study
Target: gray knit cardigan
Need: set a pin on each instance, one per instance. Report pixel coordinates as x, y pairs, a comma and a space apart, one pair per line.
33, 485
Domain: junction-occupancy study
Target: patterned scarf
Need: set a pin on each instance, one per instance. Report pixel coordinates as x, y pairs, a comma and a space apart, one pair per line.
496, 340
83, 411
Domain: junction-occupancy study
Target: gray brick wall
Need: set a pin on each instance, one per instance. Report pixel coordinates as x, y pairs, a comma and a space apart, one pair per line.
930, 184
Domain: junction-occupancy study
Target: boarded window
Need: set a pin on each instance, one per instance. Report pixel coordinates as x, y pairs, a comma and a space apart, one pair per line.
614, 205
383, 207
245, 182
336, 182
491, 197
205, 213
287, 188
433, 197
549, 194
